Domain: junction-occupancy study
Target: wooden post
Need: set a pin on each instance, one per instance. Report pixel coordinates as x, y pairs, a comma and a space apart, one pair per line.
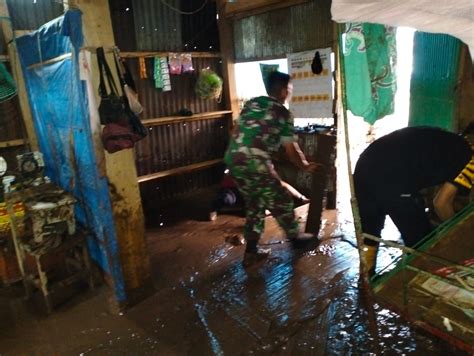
120, 168
6, 27
366, 290
226, 39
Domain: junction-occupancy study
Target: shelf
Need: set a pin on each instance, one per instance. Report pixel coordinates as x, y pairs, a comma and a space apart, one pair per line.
166, 54
176, 119
12, 143
179, 170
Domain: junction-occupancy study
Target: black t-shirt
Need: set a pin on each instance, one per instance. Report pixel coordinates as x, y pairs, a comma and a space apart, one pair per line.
413, 158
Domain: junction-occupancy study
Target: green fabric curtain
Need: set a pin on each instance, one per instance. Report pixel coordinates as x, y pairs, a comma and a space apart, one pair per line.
370, 70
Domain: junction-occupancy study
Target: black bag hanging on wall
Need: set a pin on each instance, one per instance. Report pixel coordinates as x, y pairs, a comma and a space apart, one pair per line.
130, 98
112, 106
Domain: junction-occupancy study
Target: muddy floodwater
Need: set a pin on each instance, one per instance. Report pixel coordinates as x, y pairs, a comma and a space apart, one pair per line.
299, 302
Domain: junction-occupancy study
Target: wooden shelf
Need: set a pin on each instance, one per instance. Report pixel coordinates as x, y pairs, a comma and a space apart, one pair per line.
166, 54
12, 143
180, 170
176, 119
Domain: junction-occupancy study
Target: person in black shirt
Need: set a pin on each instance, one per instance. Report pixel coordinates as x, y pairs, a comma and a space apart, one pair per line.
391, 172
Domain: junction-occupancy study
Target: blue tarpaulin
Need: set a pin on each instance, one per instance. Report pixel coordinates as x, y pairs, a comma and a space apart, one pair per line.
59, 106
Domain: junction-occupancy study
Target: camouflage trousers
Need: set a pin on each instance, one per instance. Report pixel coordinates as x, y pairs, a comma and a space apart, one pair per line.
262, 189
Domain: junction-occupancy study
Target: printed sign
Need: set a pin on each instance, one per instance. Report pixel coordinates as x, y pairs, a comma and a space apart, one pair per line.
312, 93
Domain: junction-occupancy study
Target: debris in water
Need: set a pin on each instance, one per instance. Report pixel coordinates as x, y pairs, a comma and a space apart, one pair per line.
235, 240
447, 324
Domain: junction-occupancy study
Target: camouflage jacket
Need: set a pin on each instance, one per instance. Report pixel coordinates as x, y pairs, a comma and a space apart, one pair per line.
264, 124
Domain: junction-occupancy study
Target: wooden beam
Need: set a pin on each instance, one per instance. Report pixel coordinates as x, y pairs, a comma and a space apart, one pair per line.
166, 54
176, 119
19, 33
130, 257
13, 143
180, 170
50, 61
243, 9
226, 40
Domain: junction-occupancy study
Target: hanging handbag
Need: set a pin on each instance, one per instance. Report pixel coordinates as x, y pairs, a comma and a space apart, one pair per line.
133, 106
112, 106
116, 137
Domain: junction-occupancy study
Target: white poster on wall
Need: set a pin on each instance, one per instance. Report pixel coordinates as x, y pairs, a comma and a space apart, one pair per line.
312, 93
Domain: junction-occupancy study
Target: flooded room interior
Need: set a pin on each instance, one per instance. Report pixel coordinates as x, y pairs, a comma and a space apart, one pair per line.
231, 177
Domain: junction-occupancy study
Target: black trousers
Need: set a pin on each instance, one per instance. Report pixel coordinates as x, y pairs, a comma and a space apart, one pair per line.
406, 211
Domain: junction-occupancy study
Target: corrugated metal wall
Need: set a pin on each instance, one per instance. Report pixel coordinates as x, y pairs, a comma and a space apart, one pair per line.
276, 33
31, 14
200, 32
158, 103
181, 144
157, 27
149, 25
166, 190
434, 80
164, 29
121, 12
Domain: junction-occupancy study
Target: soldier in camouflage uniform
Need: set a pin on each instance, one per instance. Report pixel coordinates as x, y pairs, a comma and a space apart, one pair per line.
265, 124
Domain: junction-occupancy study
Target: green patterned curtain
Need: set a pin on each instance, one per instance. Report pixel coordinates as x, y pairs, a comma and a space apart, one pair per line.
370, 63
7, 85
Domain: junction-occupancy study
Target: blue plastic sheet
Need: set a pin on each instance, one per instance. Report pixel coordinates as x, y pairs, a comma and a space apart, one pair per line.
59, 106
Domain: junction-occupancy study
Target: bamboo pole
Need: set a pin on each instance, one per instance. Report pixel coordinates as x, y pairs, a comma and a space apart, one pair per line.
366, 291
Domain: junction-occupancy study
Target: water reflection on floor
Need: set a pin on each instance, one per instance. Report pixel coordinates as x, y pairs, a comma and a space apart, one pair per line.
299, 302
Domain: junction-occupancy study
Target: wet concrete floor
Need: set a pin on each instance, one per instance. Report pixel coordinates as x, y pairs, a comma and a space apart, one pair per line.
299, 302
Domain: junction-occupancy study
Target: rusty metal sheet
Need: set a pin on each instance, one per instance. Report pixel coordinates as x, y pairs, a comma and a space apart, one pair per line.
276, 33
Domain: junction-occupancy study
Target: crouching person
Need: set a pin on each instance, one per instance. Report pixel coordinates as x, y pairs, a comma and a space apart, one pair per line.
391, 172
